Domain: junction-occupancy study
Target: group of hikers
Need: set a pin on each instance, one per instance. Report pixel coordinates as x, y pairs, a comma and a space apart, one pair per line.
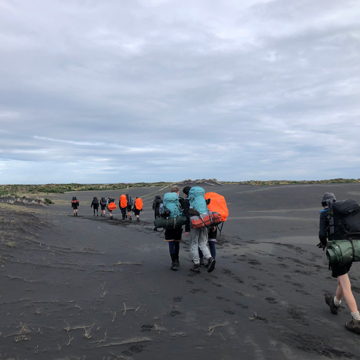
126, 204
202, 215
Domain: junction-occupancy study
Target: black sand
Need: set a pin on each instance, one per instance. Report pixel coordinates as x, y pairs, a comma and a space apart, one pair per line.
94, 288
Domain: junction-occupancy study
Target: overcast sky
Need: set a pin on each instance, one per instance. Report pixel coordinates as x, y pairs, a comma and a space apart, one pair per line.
151, 90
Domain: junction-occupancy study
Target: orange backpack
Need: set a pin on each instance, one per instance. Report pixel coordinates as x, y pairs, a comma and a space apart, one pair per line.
138, 204
217, 204
112, 206
123, 201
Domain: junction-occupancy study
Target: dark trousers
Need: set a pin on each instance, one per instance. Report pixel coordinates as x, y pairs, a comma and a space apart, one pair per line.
174, 248
212, 250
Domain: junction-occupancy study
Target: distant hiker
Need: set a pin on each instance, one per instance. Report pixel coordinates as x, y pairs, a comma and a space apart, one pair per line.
95, 204
348, 212
75, 204
156, 206
103, 206
130, 203
138, 206
123, 205
111, 206
199, 237
173, 236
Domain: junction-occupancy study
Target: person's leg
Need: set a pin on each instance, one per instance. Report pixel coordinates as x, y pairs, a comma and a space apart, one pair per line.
345, 290
212, 249
194, 245
201, 256
203, 240
177, 251
172, 251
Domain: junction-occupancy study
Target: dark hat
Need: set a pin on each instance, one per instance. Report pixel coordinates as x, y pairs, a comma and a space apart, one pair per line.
327, 197
186, 190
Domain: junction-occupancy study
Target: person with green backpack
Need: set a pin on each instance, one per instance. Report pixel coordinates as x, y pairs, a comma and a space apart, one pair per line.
173, 236
330, 229
199, 236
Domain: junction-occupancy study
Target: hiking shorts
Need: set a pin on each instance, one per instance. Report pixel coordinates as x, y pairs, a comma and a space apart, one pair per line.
103, 207
128, 208
340, 270
137, 212
173, 234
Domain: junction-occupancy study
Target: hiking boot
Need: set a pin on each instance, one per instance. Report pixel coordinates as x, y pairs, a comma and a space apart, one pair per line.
196, 268
177, 263
354, 326
202, 263
138, 220
173, 266
111, 217
329, 299
211, 264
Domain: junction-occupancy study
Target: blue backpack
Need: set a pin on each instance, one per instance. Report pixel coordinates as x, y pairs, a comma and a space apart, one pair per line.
197, 199
171, 202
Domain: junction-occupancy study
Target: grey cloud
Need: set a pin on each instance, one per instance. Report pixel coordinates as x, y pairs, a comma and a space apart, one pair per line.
261, 89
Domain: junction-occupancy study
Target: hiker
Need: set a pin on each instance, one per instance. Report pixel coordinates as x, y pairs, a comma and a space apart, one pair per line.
138, 206
102, 206
130, 203
327, 231
111, 206
123, 205
173, 236
75, 203
156, 205
199, 237
95, 204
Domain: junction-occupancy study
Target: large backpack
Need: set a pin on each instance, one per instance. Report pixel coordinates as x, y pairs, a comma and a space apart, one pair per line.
139, 204
95, 201
171, 202
123, 201
217, 204
197, 199
344, 220
102, 201
156, 205
112, 206
129, 200
343, 246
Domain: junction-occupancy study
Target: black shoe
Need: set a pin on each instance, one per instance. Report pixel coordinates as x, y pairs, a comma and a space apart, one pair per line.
138, 220
173, 266
211, 264
329, 299
130, 218
354, 326
177, 263
196, 268
111, 217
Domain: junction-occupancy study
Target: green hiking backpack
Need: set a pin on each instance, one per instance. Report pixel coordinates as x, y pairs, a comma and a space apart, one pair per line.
343, 252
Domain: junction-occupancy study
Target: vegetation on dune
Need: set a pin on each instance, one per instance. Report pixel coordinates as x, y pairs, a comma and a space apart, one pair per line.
62, 188
292, 182
14, 190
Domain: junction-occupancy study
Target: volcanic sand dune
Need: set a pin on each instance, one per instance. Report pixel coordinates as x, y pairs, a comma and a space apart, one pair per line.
90, 288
